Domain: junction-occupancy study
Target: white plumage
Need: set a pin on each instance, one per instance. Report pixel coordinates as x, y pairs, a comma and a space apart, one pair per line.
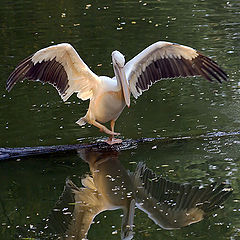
61, 66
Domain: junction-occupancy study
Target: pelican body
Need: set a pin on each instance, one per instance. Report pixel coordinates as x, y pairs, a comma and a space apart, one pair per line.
110, 186
105, 106
61, 66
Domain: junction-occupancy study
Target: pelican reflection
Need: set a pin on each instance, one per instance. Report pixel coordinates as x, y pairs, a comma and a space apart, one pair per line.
110, 186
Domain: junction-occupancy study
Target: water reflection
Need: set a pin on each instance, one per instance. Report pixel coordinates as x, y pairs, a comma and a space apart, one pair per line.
110, 186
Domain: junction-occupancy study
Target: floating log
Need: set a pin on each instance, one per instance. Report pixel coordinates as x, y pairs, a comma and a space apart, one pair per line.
12, 153
9, 153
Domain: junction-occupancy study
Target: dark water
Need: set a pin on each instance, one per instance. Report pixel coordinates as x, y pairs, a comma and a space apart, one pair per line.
33, 114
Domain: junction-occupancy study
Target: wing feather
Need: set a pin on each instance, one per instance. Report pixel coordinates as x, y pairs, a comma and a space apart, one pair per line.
61, 66
75, 211
173, 205
168, 60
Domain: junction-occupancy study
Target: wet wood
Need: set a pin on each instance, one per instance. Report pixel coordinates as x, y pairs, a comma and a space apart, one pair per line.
13, 153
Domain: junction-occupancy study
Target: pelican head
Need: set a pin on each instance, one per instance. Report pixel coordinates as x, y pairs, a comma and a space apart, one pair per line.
118, 58
118, 67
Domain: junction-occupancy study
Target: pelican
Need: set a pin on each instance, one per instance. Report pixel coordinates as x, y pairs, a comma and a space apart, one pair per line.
110, 186
61, 66
107, 188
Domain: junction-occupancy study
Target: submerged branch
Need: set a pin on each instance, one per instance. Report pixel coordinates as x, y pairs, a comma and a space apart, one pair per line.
10, 153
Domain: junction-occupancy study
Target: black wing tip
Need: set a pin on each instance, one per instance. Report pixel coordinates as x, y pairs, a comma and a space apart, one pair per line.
16, 74
219, 194
47, 71
200, 65
221, 189
8, 87
224, 187
223, 77
226, 77
215, 71
10, 84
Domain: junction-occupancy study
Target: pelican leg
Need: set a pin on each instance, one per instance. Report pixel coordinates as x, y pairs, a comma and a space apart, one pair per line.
103, 128
111, 139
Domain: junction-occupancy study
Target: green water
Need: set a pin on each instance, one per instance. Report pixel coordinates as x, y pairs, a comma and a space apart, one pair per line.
33, 114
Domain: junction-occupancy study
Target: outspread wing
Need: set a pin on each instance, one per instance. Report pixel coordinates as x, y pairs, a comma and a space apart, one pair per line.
168, 60
172, 205
75, 211
61, 66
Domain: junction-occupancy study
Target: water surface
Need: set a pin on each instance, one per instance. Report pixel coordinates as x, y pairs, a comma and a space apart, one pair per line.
33, 114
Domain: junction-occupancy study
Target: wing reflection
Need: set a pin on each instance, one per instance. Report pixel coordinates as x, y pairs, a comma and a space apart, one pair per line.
110, 186
172, 205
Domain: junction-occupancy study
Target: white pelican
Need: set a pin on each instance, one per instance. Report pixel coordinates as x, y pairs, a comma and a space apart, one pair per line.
61, 66
107, 188
170, 205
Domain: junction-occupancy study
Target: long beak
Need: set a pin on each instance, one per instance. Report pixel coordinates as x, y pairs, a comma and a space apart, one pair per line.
121, 77
127, 221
